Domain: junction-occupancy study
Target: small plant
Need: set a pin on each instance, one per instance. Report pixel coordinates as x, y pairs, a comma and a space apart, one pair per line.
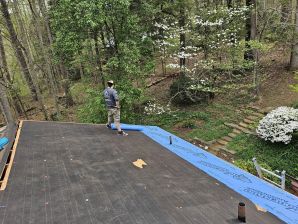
188, 124
295, 105
279, 125
246, 165
156, 109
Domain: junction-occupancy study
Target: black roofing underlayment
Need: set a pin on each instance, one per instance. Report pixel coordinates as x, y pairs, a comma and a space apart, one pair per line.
76, 173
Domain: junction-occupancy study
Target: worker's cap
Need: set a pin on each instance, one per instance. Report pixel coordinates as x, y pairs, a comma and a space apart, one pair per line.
111, 81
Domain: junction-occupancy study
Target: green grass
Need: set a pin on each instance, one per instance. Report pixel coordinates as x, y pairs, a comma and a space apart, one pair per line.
211, 130
275, 156
205, 122
168, 120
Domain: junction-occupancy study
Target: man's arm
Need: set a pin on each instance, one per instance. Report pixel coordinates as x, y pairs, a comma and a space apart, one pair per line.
115, 95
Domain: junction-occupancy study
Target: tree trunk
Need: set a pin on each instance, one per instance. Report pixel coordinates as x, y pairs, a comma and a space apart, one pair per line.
182, 36
68, 97
81, 69
46, 21
251, 29
3, 61
229, 4
5, 106
98, 60
285, 11
46, 57
294, 53
18, 49
7, 77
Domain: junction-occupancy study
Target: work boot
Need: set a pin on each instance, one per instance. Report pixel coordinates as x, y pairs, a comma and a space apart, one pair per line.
122, 133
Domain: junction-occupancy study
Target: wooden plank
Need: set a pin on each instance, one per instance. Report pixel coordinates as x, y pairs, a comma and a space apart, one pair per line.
14, 147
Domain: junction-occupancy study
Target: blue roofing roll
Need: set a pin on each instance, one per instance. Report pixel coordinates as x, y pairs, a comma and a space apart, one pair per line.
3, 142
129, 127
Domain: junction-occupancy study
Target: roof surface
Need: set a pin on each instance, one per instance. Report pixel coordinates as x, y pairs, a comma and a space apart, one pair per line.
78, 173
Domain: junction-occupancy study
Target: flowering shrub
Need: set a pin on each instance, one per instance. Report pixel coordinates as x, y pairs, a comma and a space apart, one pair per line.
156, 109
279, 125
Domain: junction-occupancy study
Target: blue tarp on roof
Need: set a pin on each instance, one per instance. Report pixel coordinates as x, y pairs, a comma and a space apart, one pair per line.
278, 202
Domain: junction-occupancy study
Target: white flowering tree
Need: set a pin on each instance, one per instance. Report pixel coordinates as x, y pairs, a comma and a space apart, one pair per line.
279, 125
213, 43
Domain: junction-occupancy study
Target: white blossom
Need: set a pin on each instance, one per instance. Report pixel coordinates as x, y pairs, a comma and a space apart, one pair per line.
173, 66
156, 109
279, 125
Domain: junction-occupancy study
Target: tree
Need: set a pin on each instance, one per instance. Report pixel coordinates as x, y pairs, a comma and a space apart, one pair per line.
8, 80
294, 52
18, 49
5, 106
251, 29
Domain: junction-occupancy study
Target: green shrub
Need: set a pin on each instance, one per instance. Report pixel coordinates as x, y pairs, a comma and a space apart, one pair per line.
295, 105
79, 93
94, 109
188, 124
246, 165
182, 94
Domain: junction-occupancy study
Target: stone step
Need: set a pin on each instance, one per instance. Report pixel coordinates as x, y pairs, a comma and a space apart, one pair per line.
241, 129
232, 134
266, 110
263, 111
236, 131
202, 142
227, 138
224, 149
222, 142
254, 107
253, 118
231, 125
215, 147
257, 114
244, 125
245, 130
248, 121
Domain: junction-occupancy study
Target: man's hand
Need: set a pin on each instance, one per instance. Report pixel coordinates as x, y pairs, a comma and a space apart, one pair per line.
117, 105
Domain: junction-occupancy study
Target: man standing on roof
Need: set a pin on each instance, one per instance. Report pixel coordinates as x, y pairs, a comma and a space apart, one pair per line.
113, 106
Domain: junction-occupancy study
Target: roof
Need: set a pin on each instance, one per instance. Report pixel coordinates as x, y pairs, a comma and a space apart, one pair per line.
80, 173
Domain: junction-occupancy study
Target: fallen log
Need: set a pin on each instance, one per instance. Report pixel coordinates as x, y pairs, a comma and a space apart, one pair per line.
162, 79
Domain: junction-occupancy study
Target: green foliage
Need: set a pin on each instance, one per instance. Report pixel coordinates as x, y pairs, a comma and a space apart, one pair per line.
94, 109
295, 86
81, 25
79, 93
295, 105
246, 165
206, 121
271, 156
182, 93
188, 124
131, 101
168, 120
249, 166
